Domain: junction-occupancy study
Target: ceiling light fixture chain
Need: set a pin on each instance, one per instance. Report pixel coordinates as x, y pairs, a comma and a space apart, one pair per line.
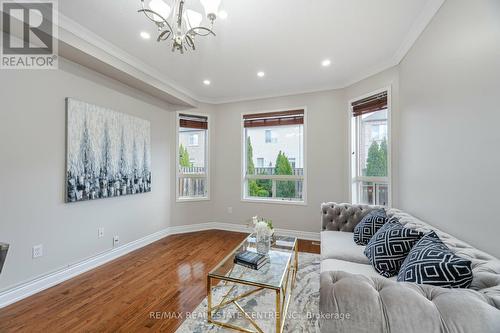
186, 21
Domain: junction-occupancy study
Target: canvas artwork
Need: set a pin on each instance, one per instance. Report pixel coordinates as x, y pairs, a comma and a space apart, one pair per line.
108, 153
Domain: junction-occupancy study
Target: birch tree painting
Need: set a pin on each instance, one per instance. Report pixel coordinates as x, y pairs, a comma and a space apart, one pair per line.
108, 153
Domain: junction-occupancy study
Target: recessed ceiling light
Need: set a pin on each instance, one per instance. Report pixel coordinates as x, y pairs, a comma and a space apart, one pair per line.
206, 82
261, 74
326, 63
145, 35
223, 15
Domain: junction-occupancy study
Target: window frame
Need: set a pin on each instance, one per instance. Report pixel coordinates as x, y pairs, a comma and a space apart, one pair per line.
207, 158
353, 148
243, 175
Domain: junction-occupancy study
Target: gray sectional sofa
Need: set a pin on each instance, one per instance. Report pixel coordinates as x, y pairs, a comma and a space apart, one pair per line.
354, 298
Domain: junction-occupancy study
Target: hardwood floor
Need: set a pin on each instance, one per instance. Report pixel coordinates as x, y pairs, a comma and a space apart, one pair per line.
166, 276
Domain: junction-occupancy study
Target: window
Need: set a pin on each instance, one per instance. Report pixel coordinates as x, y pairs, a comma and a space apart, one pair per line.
193, 139
370, 150
378, 130
192, 154
270, 138
283, 178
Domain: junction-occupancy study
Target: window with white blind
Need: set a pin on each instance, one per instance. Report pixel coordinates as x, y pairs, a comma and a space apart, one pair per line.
370, 143
273, 164
192, 157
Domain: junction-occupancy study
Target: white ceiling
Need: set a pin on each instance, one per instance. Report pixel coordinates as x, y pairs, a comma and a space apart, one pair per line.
287, 39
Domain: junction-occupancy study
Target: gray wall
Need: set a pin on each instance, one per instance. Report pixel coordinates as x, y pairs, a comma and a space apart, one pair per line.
449, 138
327, 154
326, 151
32, 169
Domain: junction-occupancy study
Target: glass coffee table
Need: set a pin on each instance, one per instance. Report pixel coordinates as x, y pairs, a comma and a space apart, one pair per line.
278, 275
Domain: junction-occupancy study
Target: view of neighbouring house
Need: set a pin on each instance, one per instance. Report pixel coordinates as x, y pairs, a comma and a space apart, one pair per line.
267, 142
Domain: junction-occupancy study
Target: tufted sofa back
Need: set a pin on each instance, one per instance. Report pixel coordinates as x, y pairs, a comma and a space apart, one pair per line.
342, 216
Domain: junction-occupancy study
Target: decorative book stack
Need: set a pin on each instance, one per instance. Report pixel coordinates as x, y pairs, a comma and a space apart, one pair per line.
250, 259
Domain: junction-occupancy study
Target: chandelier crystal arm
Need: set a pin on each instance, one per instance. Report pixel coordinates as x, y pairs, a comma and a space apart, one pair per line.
194, 31
190, 42
151, 16
164, 35
179, 16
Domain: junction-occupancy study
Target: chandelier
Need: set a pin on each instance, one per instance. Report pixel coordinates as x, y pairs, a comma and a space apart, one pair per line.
185, 23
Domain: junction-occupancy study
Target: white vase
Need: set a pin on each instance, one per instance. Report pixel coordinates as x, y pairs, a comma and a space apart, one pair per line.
263, 244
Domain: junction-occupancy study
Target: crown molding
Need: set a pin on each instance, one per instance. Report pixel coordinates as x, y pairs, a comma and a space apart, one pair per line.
97, 53
419, 25
82, 46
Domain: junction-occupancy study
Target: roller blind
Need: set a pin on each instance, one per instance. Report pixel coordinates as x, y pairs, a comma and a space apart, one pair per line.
192, 121
282, 118
370, 104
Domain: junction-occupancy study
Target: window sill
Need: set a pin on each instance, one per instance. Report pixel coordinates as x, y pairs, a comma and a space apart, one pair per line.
192, 199
275, 201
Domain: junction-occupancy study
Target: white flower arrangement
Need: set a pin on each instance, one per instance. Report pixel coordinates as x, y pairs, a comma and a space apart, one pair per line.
263, 227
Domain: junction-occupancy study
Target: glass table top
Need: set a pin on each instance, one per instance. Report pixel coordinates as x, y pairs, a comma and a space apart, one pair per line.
270, 275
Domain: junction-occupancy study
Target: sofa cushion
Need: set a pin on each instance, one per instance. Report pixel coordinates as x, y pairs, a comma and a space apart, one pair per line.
389, 247
339, 245
350, 267
431, 262
369, 225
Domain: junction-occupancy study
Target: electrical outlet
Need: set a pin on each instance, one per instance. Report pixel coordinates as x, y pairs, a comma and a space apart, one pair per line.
100, 232
116, 240
229, 210
37, 251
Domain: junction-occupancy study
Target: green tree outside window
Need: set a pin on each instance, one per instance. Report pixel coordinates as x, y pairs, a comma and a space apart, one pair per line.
259, 187
376, 163
184, 157
284, 189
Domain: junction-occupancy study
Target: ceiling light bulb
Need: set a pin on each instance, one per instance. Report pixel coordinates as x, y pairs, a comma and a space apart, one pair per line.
222, 15
261, 74
192, 18
326, 63
161, 8
206, 82
211, 6
145, 35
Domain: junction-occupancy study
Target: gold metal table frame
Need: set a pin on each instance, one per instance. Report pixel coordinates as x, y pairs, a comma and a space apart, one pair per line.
283, 294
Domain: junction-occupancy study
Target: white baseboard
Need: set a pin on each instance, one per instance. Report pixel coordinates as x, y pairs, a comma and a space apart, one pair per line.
36, 285
43, 282
307, 235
